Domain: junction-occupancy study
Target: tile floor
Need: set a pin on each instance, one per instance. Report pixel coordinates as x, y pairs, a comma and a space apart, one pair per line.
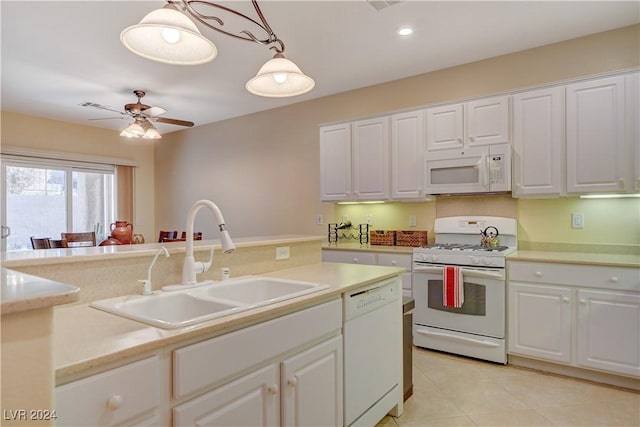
457, 391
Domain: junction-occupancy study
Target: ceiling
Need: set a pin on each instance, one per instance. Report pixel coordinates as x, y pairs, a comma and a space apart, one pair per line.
57, 55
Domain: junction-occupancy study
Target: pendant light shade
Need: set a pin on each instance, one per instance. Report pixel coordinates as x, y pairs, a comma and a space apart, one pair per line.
279, 78
134, 130
167, 35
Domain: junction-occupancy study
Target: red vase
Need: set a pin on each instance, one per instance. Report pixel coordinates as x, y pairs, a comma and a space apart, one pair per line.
122, 230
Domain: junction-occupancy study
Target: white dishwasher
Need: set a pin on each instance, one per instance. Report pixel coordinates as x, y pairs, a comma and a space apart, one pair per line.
372, 353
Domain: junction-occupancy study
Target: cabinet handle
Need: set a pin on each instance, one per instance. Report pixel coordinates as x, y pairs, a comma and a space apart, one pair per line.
460, 141
355, 260
614, 279
538, 273
471, 139
114, 402
583, 301
393, 262
565, 299
292, 382
273, 389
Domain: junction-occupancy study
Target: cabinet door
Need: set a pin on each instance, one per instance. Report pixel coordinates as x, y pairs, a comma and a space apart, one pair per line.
596, 136
609, 331
312, 386
407, 151
538, 142
335, 162
445, 127
632, 85
487, 121
540, 321
253, 400
351, 257
371, 159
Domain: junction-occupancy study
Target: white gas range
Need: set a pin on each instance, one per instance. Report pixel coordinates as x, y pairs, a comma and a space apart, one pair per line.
476, 247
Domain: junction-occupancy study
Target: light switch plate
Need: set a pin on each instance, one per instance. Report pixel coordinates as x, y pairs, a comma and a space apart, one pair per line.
577, 220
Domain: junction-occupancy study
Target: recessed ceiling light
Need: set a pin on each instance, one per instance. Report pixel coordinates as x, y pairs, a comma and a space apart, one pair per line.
405, 31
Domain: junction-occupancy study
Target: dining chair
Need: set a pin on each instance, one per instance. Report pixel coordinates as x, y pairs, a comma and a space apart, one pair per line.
40, 243
167, 235
62, 243
79, 239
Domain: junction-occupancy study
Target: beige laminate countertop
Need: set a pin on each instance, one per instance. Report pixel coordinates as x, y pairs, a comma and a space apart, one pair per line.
586, 258
22, 292
367, 248
86, 338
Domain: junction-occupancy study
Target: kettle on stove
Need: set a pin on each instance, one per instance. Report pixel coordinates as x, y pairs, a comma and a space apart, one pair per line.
488, 238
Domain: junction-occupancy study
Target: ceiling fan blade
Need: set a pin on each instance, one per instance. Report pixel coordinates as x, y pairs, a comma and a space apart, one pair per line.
173, 121
154, 111
101, 107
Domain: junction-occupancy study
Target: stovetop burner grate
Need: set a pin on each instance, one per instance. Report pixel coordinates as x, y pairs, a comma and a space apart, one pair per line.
465, 247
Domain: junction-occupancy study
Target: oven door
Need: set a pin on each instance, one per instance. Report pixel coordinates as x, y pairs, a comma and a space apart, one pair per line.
483, 310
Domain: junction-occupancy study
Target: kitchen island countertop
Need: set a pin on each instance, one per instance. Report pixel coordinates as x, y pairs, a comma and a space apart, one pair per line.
85, 338
21, 292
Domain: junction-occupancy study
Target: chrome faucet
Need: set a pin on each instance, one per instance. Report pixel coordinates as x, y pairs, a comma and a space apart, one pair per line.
146, 284
191, 267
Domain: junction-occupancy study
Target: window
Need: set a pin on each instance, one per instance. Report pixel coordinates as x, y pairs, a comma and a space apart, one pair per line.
43, 198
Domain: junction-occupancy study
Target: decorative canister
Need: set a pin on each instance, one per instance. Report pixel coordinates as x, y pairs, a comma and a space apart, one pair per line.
110, 242
137, 239
122, 230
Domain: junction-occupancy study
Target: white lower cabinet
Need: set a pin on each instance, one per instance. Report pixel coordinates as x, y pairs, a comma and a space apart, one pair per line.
283, 372
375, 258
583, 316
125, 396
252, 400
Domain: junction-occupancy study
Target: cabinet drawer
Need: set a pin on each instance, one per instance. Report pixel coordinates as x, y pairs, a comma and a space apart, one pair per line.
199, 365
585, 276
395, 260
352, 257
112, 397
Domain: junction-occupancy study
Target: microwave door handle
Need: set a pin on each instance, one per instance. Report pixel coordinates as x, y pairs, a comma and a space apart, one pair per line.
485, 175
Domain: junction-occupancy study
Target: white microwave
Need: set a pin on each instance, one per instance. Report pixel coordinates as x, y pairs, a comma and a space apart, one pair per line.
484, 169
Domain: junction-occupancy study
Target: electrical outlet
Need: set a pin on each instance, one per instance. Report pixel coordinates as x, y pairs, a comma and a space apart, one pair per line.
577, 220
412, 220
369, 219
282, 252
319, 219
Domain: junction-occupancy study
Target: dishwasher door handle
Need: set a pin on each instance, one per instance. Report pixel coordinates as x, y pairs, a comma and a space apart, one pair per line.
457, 338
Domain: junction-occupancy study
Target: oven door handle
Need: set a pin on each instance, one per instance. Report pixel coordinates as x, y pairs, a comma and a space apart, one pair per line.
457, 338
483, 274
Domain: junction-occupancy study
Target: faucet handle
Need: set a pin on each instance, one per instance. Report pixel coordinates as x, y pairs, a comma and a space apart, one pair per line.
146, 287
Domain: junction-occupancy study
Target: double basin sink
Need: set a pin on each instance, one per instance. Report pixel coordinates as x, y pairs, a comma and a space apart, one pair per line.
208, 300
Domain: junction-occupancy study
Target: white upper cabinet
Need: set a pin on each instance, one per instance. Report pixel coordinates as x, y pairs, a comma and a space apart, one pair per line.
632, 83
538, 143
597, 154
335, 162
479, 122
487, 121
407, 151
371, 159
445, 127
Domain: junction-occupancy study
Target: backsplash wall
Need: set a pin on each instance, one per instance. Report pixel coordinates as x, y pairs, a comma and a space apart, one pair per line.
607, 221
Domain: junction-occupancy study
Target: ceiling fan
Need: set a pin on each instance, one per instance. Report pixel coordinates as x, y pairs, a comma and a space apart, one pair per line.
142, 116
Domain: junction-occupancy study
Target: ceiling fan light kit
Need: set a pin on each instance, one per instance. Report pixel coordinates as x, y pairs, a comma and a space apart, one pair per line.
168, 35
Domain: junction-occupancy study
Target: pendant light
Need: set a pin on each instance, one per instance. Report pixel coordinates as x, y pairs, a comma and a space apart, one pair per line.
279, 78
168, 35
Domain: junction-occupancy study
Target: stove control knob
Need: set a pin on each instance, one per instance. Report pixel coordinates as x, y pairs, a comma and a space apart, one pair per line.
486, 261
475, 260
433, 258
419, 257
